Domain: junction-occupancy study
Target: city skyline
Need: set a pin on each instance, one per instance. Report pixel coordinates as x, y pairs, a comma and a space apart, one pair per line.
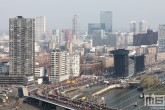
61, 18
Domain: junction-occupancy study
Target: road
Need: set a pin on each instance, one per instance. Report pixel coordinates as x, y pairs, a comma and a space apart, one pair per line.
11, 100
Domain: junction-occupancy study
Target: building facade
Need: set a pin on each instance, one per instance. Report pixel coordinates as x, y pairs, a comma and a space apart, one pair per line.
95, 26
121, 62
39, 72
143, 26
68, 33
21, 46
106, 18
148, 38
161, 38
58, 66
40, 28
97, 36
68, 47
76, 26
73, 64
4, 68
21, 51
133, 26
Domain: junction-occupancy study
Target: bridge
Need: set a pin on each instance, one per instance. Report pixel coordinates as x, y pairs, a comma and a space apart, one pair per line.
51, 94
59, 106
134, 82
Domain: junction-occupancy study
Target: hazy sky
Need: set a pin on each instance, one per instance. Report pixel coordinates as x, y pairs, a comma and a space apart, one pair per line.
59, 13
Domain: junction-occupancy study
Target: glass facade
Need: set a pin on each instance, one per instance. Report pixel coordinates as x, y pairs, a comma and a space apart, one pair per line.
106, 18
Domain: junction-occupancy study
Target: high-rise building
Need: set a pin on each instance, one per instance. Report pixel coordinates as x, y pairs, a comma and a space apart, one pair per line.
133, 26
68, 47
106, 18
121, 61
95, 26
58, 36
40, 28
68, 34
21, 46
161, 38
73, 64
76, 26
97, 36
59, 70
143, 26
48, 34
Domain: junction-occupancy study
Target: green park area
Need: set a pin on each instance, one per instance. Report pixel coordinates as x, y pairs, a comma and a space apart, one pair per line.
153, 85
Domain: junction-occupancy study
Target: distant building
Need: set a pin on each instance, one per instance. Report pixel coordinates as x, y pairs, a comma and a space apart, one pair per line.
133, 26
68, 47
95, 26
121, 62
58, 36
68, 34
48, 34
143, 26
40, 28
76, 26
161, 38
52, 45
148, 38
106, 18
97, 36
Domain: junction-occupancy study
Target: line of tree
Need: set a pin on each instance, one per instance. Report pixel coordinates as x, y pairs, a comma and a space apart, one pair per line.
149, 81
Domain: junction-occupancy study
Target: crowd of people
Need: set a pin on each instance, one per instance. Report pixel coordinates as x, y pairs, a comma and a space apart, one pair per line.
53, 93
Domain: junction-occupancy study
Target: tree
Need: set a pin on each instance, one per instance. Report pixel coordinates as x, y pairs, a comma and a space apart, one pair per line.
149, 81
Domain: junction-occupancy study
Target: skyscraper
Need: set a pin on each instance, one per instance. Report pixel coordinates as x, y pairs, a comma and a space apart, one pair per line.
95, 26
40, 28
21, 46
161, 38
143, 26
76, 26
133, 26
106, 18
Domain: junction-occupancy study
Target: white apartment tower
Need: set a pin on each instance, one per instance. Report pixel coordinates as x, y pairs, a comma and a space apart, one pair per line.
40, 28
133, 26
161, 38
58, 66
76, 26
73, 64
21, 46
143, 26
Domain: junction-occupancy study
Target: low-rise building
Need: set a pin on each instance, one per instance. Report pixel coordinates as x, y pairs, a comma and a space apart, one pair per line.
39, 72
4, 68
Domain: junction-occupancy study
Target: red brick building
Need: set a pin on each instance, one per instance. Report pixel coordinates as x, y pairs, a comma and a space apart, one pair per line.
145, 39
68, 34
